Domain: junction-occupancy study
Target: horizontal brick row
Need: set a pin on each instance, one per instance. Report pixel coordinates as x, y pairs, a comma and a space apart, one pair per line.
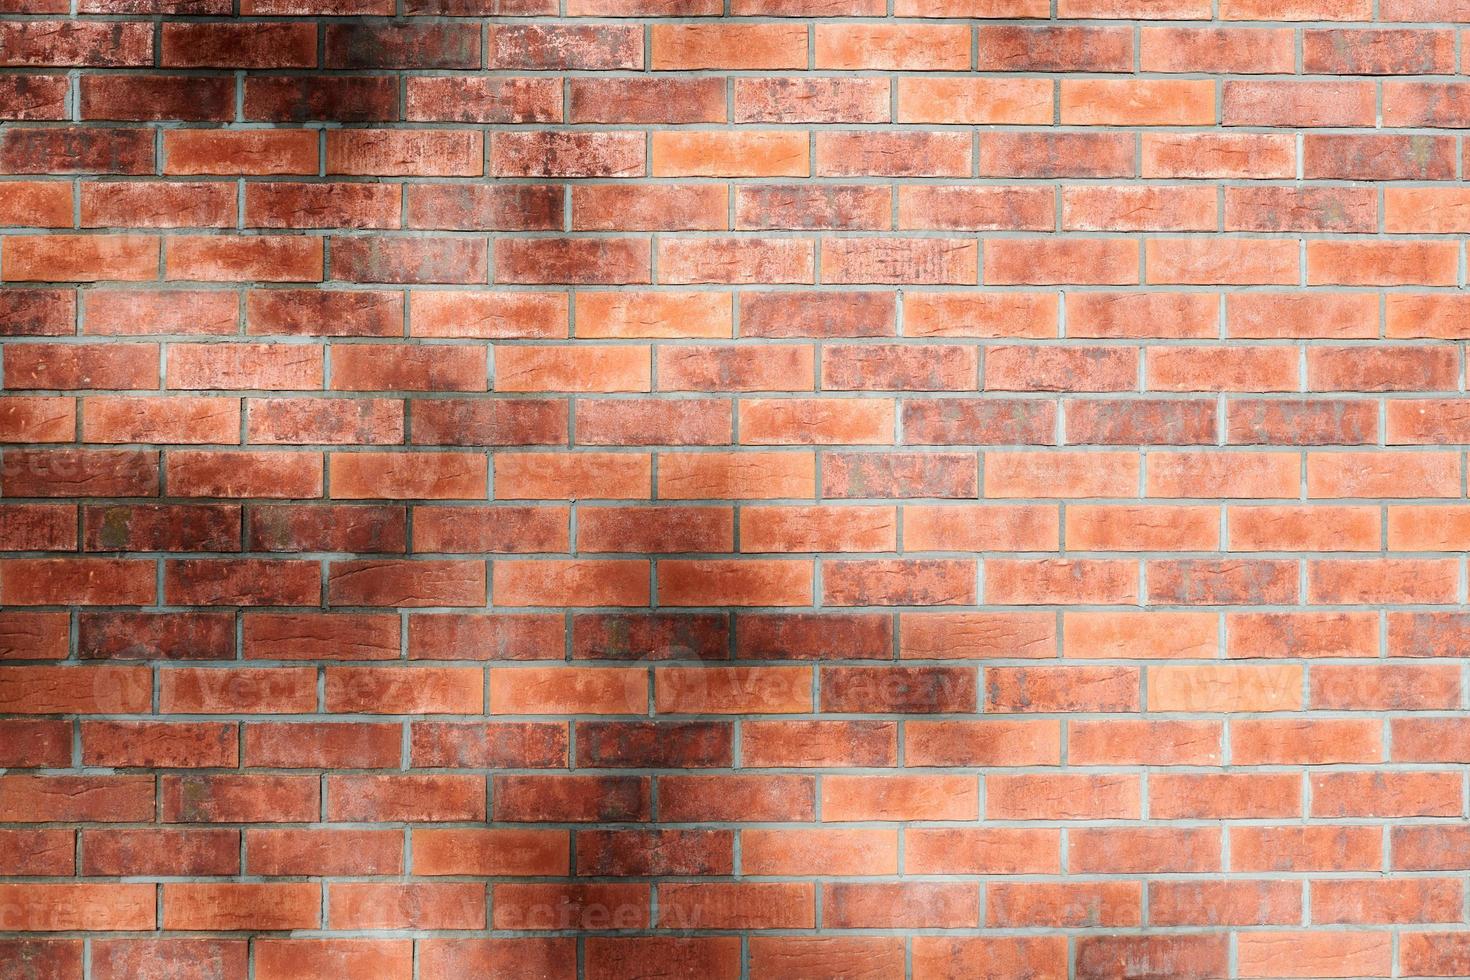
1294, 953
780, 689
627, 260
767, 315
940, 635
756, 207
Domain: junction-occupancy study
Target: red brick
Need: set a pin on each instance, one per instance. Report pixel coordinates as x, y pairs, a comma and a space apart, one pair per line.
79, 44
900, 906
1001, 101
228, 958
1316, 848
1222, 50
57, 907
200, 151
301, 98
239, 46
540, 744
1056, 154
280, 959
1066, 797
386, 152
161, 852
477, 207
816, 100
560, 47
633, 744
647, 100
442, 959
941, 955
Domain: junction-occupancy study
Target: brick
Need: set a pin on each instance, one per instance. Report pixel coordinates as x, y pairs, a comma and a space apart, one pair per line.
398, 476
471, 636
519, 743
778, 955
816, 100
211, 152
687, 207
923, 47
561, 47
639, 852
238, 46
728, 46
161, 852
610, 261
26, 150
647, 100
1390, 686
1429, 953
385, 367
302, 98
521, 154
1062, 48
194, 691
883, 905
1146, 742
451, 313
1041, 262
754, 905
38, 419
633, 744
510, 422
319, 420
157, 97
278, 958
82, 581
1215, 796
1222, 50
1376, 52
980, 101
1138, 209
1138, 635
33, 97
61, 907
405, 152
588, 907
542, 476
1015, 689
445, 46
41, 204
80, 44
125, 312
896, 155
51, 473
89, 258
1306, 104
1144, 850
962, 635
1317, 848
1218, 155
1116, 102
716, 957
444, 958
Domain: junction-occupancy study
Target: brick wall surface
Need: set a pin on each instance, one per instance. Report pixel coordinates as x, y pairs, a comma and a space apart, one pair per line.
702, 488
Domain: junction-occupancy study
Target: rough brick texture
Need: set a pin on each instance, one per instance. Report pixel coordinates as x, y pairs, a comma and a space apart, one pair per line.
703, 488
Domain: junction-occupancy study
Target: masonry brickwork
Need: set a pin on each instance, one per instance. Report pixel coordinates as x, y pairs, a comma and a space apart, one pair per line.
716, 488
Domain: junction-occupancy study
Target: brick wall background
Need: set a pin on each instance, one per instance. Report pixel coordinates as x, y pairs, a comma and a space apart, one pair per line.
793, 488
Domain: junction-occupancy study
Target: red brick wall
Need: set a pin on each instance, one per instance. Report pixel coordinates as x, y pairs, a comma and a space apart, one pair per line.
801, 488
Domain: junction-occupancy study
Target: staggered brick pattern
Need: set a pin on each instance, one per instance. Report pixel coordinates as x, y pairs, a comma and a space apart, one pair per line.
792, 488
